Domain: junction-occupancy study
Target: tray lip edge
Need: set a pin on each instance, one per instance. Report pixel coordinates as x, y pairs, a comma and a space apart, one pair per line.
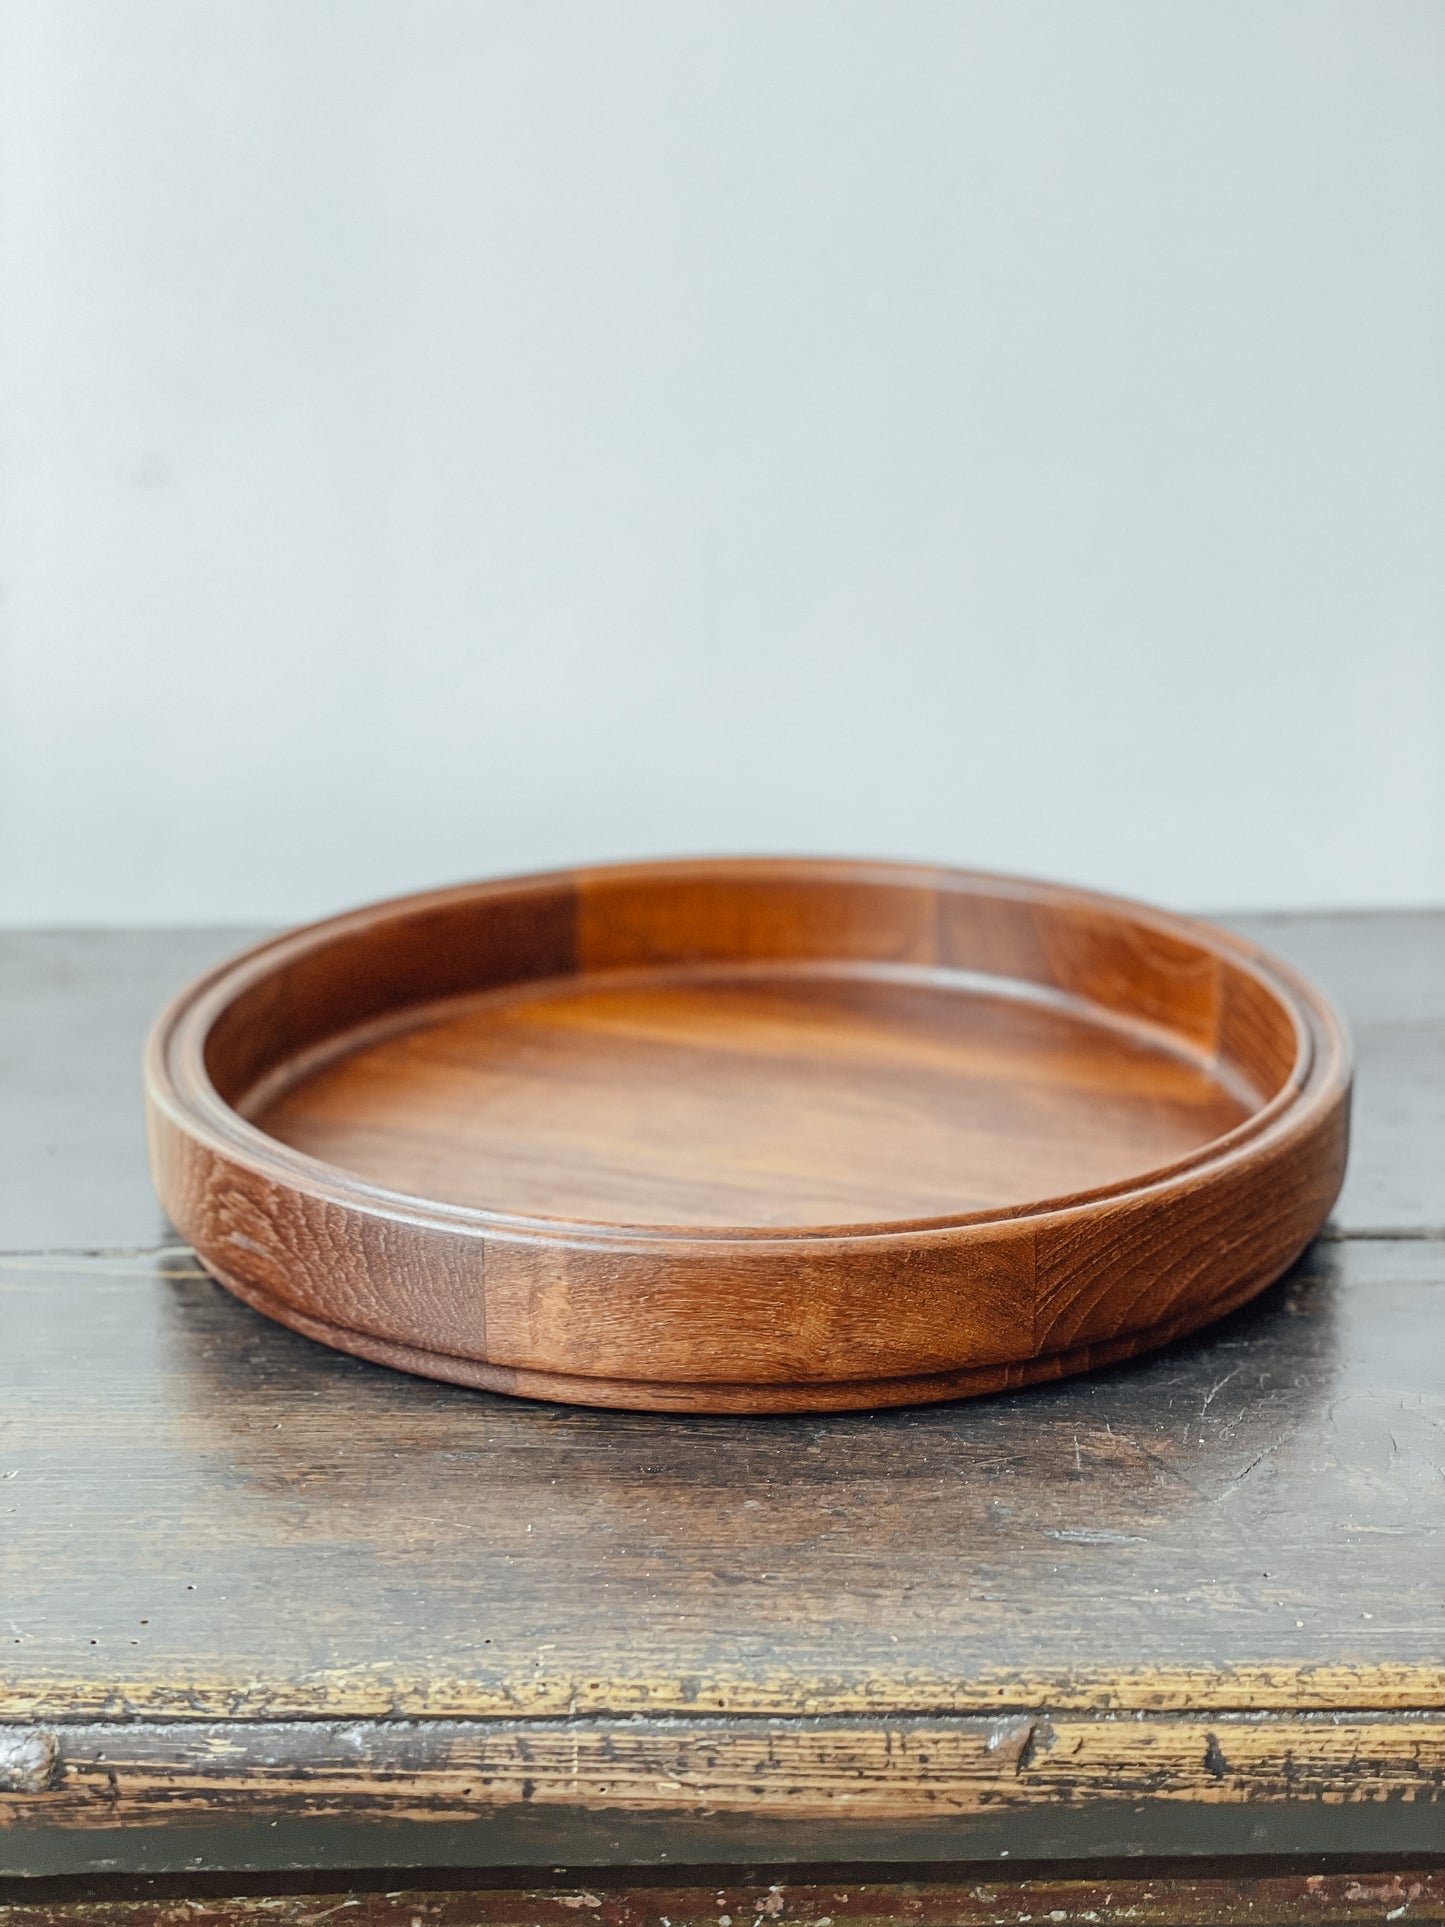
1321, 1075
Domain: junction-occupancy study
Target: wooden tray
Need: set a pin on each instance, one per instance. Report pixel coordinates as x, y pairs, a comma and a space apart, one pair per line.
754, 1136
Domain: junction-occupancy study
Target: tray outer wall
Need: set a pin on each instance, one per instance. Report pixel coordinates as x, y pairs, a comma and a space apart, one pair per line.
712, 1322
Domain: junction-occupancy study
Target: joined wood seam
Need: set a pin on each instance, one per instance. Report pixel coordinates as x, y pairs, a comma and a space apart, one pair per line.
702, 1215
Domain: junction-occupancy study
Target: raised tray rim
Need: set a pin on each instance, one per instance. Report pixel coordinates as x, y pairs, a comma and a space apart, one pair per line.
179, 1084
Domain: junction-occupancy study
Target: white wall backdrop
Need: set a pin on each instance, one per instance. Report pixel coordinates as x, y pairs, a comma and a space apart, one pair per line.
452, 436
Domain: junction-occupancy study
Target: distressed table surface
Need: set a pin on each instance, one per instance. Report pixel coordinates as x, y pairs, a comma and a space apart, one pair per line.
264, 1605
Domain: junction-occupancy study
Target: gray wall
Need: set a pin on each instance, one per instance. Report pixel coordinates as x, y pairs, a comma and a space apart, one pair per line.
447, 436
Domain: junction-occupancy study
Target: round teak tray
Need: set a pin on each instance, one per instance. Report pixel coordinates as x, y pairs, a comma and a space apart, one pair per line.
762, 1136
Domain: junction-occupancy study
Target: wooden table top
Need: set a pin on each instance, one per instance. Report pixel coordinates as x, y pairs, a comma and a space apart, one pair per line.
261, 1603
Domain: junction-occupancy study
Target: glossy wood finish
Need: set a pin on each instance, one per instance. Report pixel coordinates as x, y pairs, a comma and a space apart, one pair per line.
1212, 1575
753, 1099
749, 1136
75, 1006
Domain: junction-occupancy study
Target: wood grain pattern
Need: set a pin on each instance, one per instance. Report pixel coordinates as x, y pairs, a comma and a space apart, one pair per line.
267, 1580
159, 1774
75, 1007
765, 1099
759, 1136
217, 1535
976, 1899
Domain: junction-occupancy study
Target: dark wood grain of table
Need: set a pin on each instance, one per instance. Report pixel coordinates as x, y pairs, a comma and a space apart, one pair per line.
264, 1606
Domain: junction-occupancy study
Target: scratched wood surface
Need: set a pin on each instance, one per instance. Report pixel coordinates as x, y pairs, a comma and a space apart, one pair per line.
262, 1603
1408, 1894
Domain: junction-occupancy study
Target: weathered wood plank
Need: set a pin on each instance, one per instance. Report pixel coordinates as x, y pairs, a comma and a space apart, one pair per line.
210, 1528
1386, 970
205, 1516
1329, 1899
75, 1007
155, 1774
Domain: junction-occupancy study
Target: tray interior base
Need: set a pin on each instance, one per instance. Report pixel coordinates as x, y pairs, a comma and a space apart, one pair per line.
752, 1097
